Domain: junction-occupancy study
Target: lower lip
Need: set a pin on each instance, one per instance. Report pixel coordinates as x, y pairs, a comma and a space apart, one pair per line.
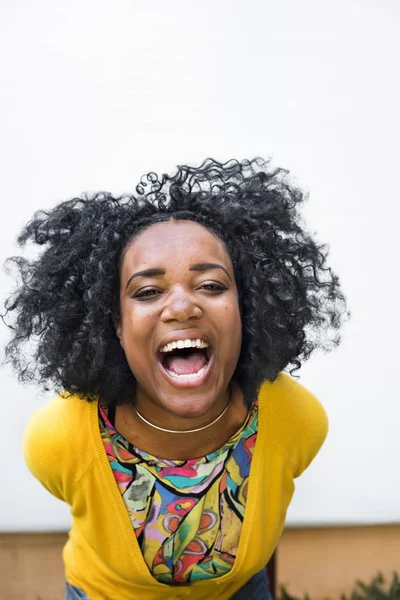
182, 382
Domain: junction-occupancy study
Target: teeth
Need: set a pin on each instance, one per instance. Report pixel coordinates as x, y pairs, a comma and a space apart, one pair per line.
184, 344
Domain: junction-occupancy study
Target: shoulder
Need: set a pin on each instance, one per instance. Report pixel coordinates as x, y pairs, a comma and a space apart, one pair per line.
57, 421
296, 419
54, 442
287, 398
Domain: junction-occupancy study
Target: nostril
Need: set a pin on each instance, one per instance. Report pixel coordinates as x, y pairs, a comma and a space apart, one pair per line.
182, 306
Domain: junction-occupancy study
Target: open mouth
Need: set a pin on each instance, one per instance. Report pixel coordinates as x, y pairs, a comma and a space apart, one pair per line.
186, 361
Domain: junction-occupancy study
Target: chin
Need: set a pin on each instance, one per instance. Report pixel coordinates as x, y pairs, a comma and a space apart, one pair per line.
189, 406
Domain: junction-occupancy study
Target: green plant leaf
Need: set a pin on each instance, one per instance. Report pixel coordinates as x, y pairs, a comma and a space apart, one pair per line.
361, 591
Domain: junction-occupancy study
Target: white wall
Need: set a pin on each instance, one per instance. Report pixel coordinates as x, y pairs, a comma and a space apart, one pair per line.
95, 93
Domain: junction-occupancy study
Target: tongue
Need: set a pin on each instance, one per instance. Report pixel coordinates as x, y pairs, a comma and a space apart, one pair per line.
186, 364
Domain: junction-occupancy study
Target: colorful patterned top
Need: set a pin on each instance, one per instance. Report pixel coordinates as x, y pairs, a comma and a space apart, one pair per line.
187, 514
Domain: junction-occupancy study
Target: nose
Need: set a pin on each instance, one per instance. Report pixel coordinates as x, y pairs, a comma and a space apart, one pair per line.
180, 306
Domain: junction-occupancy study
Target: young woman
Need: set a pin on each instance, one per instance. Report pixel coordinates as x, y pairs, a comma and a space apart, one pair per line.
165, 321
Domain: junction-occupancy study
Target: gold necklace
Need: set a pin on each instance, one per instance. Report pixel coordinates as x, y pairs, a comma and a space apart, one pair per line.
188, 430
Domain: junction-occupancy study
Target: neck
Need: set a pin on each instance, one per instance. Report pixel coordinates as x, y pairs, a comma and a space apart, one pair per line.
186, 411
186, 431
180, 446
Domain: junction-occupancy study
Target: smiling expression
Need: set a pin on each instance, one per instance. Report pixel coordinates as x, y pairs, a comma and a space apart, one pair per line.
179, 324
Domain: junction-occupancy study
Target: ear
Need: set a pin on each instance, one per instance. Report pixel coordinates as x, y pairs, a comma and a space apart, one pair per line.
118, 329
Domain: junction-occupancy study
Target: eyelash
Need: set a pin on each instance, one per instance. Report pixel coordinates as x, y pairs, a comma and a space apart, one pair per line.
150, 293
214, 287
145, 294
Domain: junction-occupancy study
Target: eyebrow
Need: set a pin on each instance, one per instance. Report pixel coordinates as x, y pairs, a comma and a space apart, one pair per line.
199, 267
146, 273
208, 267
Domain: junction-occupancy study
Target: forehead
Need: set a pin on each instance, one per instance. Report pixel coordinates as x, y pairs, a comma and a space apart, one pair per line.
177, 241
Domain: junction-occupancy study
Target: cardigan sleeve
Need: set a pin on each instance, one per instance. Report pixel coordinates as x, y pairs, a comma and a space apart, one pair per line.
312, 430
312, 435
304, 424
49, 447
42, 452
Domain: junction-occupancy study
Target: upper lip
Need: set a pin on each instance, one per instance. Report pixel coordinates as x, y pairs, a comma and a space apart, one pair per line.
187, 334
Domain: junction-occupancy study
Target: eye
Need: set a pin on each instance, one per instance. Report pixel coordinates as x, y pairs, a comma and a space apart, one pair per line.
212, 286
146, 293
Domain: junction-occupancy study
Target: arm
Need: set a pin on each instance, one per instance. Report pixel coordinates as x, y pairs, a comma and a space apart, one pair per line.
43, 450
308, 425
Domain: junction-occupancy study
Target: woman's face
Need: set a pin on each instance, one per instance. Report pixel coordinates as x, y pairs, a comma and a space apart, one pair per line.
180, 325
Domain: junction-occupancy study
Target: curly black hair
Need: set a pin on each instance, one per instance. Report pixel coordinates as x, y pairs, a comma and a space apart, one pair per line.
67, 298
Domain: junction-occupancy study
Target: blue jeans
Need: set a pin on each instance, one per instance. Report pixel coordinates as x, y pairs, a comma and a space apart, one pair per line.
255, 589
74, 593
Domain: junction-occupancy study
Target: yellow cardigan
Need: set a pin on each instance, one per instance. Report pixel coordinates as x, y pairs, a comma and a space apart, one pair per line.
64, 451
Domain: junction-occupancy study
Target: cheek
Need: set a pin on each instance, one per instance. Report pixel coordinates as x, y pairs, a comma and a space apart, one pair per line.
232, 321
135, 347
135, 332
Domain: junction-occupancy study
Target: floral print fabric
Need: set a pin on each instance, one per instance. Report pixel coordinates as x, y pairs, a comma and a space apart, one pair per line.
187, 515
